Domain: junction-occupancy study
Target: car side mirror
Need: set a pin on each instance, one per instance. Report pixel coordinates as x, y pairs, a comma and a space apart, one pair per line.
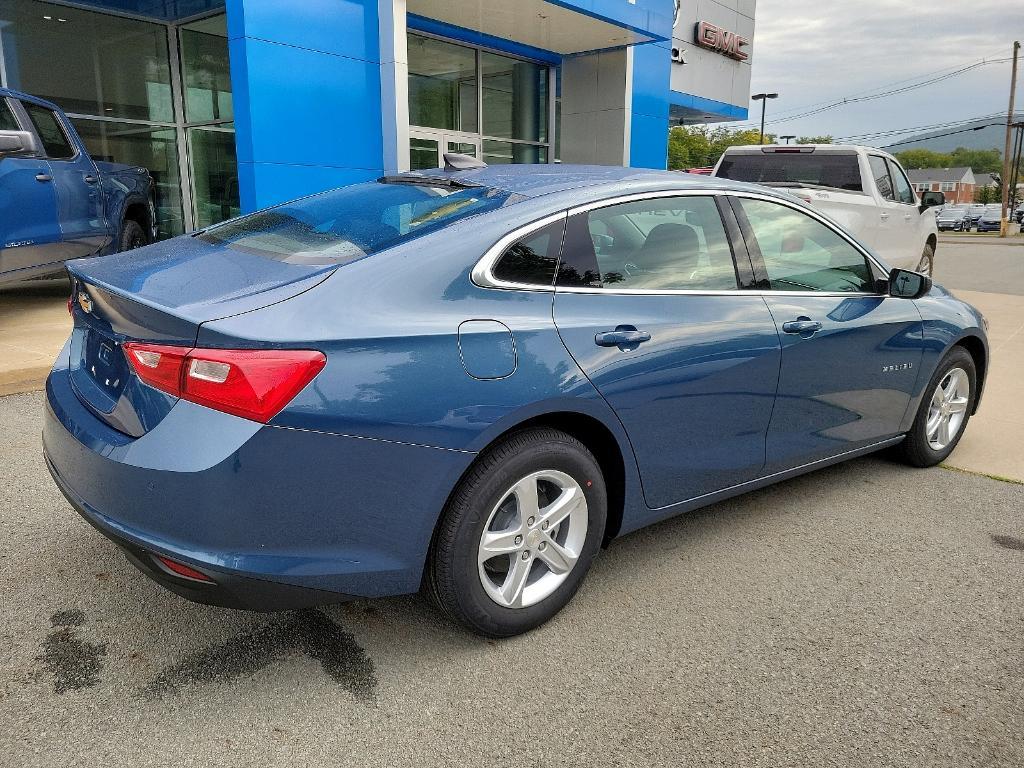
18, 144
904, 284
932, 199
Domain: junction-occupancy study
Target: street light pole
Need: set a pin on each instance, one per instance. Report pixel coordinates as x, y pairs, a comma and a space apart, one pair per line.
763, 97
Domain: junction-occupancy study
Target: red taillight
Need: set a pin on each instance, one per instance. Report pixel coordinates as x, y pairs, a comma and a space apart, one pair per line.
183, 570
252, 383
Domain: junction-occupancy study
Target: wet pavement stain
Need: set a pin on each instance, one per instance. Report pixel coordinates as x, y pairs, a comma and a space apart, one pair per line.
74, 663
308, 632
1009, 542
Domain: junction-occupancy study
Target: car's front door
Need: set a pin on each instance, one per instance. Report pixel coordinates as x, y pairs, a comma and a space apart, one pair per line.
83, 226
29, 229
648, 304
850, 353
893, 242
911, 238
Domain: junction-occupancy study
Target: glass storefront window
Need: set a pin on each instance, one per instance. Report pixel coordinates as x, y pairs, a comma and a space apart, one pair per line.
214, 175
515, 95
88, 63
445, 93
505, 152
153, 148
205, 72
442, 85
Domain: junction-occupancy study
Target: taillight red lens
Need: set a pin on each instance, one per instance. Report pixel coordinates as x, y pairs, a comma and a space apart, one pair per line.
159, 365
252, 383
183, 570
255, 384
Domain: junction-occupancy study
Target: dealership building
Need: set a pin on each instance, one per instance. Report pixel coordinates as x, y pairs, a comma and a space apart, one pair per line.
240, 104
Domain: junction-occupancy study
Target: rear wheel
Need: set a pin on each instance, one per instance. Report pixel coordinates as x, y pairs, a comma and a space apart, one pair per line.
519, 534
944, 411
927, 264
132, 236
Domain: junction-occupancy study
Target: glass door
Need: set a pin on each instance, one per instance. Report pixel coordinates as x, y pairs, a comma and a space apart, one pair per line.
428, 148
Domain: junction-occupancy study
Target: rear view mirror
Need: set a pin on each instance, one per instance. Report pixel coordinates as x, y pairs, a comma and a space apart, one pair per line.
18, 144
904, 284
932, 199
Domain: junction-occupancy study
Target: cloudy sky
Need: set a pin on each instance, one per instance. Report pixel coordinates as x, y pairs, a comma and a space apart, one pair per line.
820, 51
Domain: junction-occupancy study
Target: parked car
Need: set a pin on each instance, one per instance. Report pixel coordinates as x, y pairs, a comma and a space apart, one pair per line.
990, 219
471, 380
863, 189
56, 203
974, 212
952, 218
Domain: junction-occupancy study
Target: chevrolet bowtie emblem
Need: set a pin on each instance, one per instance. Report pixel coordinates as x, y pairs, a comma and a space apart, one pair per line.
85, 302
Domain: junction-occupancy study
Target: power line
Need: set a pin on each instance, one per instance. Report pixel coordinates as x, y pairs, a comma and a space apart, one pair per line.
871, 96
912, 129
940, 135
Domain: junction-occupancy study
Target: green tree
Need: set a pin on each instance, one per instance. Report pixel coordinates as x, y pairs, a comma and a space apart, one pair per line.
814, 140
988, 195
978, 160
700, 146
923, 158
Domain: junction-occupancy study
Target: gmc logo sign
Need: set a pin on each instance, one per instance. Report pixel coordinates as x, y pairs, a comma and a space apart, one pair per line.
707, 35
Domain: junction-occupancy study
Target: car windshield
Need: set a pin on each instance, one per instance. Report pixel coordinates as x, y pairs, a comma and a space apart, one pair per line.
831, 169
346, 224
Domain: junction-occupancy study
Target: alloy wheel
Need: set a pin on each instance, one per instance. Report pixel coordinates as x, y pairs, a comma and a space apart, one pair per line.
533, 538
947, 409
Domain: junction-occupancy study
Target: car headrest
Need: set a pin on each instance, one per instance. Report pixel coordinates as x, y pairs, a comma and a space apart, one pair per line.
670, 244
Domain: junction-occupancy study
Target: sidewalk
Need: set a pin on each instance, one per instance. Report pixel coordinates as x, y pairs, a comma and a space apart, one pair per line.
992, 443
34, 324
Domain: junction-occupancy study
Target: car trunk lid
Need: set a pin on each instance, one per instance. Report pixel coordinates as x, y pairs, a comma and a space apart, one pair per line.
162, 293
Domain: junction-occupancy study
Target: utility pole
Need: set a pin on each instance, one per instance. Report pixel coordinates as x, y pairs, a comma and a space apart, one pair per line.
1004, 224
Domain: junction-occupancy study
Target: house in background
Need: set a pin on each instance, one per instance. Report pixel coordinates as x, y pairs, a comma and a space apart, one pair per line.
957, 184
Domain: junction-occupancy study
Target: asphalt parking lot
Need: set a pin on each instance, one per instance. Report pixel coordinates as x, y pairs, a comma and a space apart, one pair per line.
866, 614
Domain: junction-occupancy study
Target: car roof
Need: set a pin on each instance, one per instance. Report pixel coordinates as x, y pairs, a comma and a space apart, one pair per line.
21, 96
587, 182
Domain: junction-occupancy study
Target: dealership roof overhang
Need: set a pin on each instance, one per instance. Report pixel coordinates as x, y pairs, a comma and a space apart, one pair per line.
560, 26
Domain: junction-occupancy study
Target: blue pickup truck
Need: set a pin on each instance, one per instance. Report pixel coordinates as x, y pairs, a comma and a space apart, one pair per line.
56, 202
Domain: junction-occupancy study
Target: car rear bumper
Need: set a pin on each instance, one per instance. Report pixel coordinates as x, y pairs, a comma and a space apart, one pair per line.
278, 518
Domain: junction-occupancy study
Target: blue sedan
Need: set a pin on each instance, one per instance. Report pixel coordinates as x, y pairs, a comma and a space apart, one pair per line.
470, 380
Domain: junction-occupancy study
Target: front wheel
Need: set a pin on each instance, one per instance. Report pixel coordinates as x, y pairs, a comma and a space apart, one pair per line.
944, 411
927, 264
519, 534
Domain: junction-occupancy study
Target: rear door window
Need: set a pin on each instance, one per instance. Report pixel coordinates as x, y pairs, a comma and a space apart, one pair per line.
668, 243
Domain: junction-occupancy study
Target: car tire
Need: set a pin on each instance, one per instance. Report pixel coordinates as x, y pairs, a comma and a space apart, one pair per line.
925, 445
132, 236
927, 264
517, 589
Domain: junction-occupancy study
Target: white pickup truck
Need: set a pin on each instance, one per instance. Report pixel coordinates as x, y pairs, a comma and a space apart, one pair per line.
863, 189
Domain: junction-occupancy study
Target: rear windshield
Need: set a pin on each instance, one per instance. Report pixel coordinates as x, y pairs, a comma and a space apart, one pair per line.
349, 223
820, 169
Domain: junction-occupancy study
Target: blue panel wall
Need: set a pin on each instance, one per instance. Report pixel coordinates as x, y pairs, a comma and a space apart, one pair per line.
306, 87
652, 72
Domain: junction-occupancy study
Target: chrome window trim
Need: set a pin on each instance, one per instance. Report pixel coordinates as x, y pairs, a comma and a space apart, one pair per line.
482, 276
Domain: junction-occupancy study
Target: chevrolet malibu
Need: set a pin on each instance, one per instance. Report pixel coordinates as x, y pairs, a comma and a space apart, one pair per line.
469, 380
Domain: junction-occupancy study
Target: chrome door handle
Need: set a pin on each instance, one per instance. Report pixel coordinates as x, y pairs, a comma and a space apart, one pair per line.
90, 179
622, 336
801, 326
44, 177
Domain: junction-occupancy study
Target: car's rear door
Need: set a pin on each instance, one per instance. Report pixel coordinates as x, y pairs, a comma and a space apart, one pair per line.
850, 353
648, 302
